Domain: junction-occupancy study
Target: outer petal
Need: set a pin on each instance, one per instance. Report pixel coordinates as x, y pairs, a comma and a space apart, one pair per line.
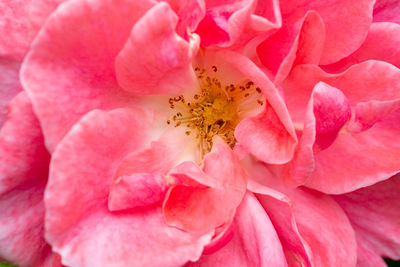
346, 22
382, 43
70, 68
374, 212
156, 60
79, 224
322, 225
255, 242
387, 10
365, 82
23, 175
203, 208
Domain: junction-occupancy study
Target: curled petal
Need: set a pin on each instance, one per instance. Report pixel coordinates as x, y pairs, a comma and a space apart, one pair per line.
155, 59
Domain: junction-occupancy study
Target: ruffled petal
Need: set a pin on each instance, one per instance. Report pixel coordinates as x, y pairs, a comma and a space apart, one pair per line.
311, 225
70, 68
79, 224
346, 22
168, 70
374, 212
24, 165
255, 242
307, 47
382, 43
234, 23
201, 208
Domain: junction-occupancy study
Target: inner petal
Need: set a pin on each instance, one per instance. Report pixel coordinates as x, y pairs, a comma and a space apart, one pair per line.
216, 109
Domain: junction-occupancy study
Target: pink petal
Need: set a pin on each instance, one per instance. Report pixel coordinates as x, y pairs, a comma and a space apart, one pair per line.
374, 212
78, 223
14, 28
39, 11
347, 24
371, 80
255, 242
307, 47
202, 208
70, 68
155, 59
387, 10
190, 13
368, 258
9, 84
322, 226
381, 34
266, 138
228, 23
137, 190
23, 175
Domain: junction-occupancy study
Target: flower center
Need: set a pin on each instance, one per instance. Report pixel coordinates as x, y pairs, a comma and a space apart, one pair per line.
215, 111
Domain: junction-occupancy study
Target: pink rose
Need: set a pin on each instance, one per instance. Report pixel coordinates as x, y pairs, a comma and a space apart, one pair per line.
200, 132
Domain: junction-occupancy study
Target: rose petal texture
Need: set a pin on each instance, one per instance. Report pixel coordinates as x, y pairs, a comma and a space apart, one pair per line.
312, 227
374, 214
372, 90
79, 223
387, 10
70, 67
346, 23
23, 175
255, 242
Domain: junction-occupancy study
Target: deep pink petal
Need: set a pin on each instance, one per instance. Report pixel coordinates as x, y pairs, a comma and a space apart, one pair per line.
201, 209
368, 258
70, 68
387, 10
155, 59
347, 24
24, 165
78, 221
374, 212
382, 43
255, 242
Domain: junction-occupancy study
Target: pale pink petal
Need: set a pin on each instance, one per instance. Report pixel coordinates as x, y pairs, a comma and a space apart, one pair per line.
346, 22
70, 68
39, 11
382, 43
387, 10
202, 208
255, 242
155, 59
24, 165
307, 48
325, 232
79, 224
374, 212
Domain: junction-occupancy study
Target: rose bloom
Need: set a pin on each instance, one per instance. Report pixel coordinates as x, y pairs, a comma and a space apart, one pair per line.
199, 132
